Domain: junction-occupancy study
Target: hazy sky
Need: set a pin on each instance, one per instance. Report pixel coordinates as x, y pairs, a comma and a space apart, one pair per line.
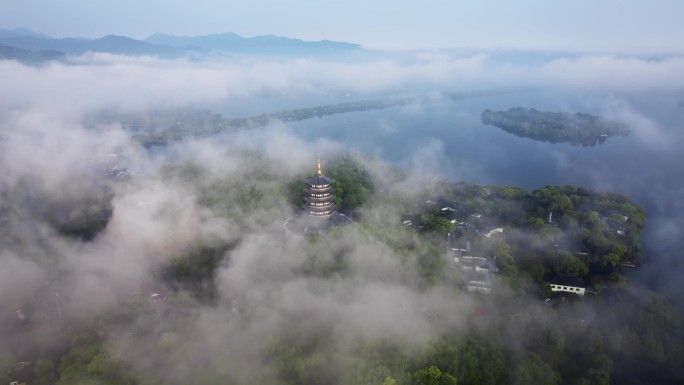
587, 25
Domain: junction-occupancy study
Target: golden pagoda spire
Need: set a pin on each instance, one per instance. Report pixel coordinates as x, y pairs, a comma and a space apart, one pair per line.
319, 164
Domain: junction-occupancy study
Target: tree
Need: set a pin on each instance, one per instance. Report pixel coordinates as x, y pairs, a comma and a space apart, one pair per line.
568, 264
553, 198
433, 376
442, 353
538, 223
617, 255
352, 183
480, 364
512, 193
535, 268
533, 370
504, 259
595, 377
430, 265
436, 223
44, 370
91, 364
7, 361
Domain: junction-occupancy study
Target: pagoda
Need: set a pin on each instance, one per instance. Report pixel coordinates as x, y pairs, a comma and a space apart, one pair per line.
319, 201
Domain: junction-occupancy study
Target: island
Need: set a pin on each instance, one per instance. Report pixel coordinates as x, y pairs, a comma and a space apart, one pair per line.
578, 129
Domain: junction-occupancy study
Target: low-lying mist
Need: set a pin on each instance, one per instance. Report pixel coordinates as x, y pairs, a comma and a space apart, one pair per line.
174, 265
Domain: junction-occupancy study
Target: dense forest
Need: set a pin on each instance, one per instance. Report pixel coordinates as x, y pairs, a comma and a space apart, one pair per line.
578, 129
373, 302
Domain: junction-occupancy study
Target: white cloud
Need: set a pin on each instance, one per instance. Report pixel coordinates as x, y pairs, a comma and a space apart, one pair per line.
616, 73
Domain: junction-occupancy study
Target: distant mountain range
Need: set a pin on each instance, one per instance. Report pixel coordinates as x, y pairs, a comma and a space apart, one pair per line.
29, 57
231, 42
21, 43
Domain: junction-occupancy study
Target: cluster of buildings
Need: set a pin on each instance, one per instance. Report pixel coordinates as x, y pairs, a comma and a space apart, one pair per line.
109, 164
477, 271
117, 172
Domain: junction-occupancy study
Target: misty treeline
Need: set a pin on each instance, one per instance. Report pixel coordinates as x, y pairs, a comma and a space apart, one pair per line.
163, 127
578, 129
221, 293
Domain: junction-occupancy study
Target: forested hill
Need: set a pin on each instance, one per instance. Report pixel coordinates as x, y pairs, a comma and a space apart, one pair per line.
578, 129
374, 302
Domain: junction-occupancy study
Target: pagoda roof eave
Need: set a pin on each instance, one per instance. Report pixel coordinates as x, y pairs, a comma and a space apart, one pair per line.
318, 180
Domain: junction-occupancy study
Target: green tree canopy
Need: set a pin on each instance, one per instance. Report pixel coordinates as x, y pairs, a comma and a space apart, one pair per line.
531, 369
353, 186
432, 376
480, 363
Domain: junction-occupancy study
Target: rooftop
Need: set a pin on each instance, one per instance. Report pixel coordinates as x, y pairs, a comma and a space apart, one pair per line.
567, 280
318, 178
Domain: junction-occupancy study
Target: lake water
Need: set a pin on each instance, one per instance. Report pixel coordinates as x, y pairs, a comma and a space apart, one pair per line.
447, 139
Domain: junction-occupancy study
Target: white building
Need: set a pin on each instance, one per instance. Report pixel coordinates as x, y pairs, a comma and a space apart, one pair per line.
567, 284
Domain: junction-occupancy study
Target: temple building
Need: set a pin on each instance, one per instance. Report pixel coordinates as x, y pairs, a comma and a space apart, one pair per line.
319, 201
319, 213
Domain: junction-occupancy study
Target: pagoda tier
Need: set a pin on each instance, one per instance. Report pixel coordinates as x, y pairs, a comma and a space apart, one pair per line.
319, 200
